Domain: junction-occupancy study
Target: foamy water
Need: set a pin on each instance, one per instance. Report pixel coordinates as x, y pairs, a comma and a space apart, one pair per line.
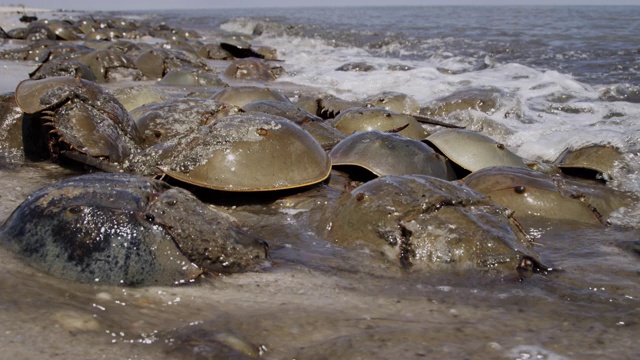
543, 127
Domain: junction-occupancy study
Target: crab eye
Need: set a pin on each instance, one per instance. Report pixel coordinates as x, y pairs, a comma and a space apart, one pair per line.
520, 189
74, 210
171, 202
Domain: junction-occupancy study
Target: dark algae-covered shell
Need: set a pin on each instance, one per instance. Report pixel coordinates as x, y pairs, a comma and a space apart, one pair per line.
127, 230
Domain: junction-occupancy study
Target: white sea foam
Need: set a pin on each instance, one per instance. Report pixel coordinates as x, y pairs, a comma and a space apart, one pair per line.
545, 128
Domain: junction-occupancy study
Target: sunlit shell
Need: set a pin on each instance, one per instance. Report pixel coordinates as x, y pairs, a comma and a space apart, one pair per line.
242, 95
390, 154
594, 161
249, 152
367, 119
534, 195
472, 150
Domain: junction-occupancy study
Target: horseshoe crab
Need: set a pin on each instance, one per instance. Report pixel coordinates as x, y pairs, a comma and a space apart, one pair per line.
242, 95
472, 150
71, 68
328, 106
251, 69
51, 29
76, 118
481, 99
163, 121
394, 101
108, 65
426, 223
191, 77
533, 195
324, 133
590, 162
366, 119
390, 154
155, 63
245, 152
121, 229
133, 97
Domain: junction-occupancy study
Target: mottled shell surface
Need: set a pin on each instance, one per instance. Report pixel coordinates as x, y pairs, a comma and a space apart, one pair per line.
390, 154
163, 121
473, 150
367, 119
11, 148
123, 229
248, 152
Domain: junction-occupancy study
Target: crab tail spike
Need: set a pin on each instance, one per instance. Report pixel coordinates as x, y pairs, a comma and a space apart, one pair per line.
432, 121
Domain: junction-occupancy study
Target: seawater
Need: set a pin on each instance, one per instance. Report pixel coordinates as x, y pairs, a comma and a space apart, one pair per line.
571, 76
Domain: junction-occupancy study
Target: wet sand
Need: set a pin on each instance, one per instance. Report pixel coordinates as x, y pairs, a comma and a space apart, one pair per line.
316, 301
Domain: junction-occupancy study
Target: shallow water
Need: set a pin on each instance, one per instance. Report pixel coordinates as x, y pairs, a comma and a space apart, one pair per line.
315, 300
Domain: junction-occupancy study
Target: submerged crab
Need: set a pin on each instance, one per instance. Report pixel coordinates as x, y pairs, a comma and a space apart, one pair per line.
426, 223
126, 230
536, 196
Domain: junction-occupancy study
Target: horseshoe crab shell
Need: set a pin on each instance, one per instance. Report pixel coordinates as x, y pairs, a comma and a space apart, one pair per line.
85, 118
390, 154
246, 152
593, 162
242, 95
160, 122
122, 229
472, 150
366, 119
535, 195
324, 133
394, 101
426, 223
250, 69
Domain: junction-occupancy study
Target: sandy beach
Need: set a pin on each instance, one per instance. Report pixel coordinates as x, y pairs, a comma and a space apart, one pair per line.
316, 298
